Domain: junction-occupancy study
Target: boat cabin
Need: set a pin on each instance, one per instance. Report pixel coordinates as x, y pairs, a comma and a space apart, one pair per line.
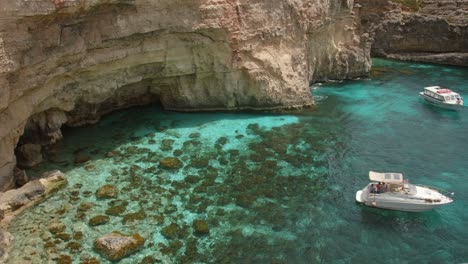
442, 94
388, 182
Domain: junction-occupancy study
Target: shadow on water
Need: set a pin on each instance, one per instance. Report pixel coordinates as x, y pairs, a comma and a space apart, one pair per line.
131, 126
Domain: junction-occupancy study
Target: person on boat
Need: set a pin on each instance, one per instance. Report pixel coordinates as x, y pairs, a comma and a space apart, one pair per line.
380, 187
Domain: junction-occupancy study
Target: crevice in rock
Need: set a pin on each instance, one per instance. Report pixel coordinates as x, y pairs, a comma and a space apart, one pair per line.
41, 129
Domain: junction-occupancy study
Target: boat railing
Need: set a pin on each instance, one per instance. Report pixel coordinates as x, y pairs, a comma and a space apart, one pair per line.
442, 191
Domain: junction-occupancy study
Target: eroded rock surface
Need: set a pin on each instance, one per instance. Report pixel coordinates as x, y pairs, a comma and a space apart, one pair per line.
428, 30
14, 201
29, 155
69, 62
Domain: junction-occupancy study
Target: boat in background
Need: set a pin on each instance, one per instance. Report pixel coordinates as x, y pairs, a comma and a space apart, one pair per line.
442, 97
390, 191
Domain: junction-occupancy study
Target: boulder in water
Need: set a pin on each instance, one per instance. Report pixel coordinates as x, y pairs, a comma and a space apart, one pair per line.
57, 227
98, 220
115, 246
171, 163
107, 191
201, 227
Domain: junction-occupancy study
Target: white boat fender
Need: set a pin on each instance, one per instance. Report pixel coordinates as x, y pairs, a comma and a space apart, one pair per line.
374, 204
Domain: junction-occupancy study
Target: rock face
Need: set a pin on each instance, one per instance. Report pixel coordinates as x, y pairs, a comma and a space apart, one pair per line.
13, 201
29, 155
71, 61
427, 31
6, 240
115, 246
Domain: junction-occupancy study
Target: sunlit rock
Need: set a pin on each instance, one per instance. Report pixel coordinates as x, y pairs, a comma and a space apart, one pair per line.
115, 246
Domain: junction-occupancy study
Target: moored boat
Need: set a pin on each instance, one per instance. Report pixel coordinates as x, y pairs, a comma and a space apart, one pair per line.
442, 97
391, 191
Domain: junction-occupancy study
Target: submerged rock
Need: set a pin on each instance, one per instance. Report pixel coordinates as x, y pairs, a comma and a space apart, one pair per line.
171, 163
107, 191
194, 135
166, 144
85, 207
57, 227
63, 236
32, 192
201, 227
64, 259
78, 235
140, 215
172, 248
172, 231
192, 179
98, 220
90, 261
74, 246
222, 141
200, 162
245, 200
116, 210
178, 152
81, 159
148, 260
115, 246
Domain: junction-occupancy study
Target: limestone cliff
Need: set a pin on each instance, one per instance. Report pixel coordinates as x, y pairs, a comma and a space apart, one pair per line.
425, 30
67, 62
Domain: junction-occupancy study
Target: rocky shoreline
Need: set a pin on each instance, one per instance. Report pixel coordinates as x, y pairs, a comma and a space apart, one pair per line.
15, 201
455, 59
113, 246
67, 63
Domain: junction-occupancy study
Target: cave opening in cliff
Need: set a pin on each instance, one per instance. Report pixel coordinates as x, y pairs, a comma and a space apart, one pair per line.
43, 133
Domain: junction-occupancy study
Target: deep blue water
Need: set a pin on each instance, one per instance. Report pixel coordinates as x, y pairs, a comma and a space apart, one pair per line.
274, 188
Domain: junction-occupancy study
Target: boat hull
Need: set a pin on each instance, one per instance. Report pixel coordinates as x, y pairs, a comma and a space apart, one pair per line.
402, 201
402, 206
440, 104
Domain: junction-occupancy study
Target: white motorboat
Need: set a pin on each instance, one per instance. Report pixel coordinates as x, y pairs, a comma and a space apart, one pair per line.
442, 97
390, 191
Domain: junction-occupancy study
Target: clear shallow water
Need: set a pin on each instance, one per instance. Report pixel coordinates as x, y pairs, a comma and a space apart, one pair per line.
273, 188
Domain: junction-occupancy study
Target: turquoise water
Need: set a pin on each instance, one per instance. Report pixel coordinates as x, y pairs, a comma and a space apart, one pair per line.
273, 188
